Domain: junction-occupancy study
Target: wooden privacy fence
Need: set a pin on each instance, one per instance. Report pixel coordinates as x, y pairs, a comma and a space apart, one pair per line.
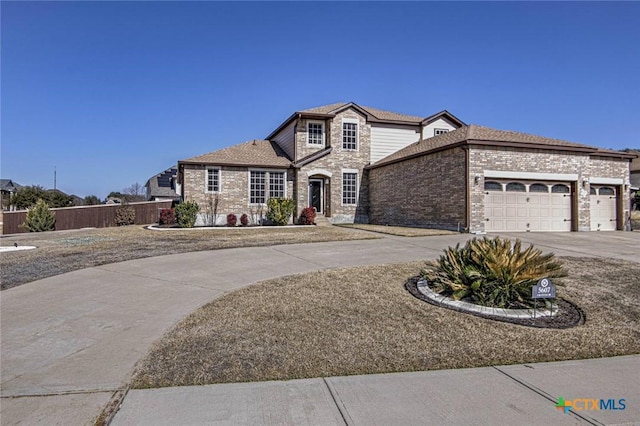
101, 216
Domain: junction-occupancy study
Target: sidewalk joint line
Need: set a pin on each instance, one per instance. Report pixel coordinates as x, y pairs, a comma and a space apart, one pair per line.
546, 396
339, 404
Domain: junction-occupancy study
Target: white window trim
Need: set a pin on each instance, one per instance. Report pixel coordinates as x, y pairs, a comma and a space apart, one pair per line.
357, 172
350, 121
324, 134
206, 180
266, 182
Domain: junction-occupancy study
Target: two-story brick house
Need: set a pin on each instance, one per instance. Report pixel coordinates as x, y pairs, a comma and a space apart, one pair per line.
355, 163
316, 156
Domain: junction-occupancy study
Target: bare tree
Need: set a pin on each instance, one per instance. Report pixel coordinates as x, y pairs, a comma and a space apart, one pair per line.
211, 209
135, 192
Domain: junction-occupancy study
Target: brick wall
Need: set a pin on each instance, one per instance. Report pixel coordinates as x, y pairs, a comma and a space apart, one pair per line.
234, 195
519, 160
427, 191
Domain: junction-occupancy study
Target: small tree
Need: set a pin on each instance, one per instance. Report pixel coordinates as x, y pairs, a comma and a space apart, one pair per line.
91, 200
187, 214
40, 218
280, 210
211, 209
28, 196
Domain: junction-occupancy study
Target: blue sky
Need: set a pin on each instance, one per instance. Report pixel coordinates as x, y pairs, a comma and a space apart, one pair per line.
111, 93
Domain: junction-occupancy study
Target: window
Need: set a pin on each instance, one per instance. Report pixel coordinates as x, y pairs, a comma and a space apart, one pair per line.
516, 187
213, 180
315, 133
437, 132
538, 187
350, 136
607, 191
349, 188
560, 189
592, 191
260, 192
492, 186
276, 184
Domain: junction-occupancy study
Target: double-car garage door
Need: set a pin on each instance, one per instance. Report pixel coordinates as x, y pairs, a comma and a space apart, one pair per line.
523, 206
527, 206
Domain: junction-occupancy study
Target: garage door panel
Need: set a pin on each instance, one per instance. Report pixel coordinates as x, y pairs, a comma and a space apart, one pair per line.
518, 211
603, 208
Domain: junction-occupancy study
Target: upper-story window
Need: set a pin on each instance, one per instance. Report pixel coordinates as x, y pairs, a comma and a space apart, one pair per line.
350, 135
437, 132
213, 180
315, 133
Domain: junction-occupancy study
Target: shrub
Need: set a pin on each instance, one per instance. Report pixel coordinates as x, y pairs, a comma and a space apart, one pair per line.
308, 216
167, 217
40, 218
187, 214
125, 215
244, 219
231, 219
491, 272
280, 210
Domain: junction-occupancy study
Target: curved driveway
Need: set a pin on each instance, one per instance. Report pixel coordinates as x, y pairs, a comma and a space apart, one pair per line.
69, 342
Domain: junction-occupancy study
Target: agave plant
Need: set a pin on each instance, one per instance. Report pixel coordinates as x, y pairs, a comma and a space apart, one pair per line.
492, 272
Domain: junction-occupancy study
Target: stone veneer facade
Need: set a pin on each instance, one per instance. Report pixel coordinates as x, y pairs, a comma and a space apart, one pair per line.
331, 166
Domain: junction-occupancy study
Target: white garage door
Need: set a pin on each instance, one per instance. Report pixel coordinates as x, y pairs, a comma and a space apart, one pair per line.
527, 206
603, 208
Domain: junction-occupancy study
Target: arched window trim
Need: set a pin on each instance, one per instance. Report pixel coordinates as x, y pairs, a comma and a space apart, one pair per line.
539, 185
521, 187
489, 185
555, 189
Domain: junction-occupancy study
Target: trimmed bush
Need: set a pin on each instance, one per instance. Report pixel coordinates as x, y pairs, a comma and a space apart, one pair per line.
244, 219
280, 210
231, 219
125, 215
308, 216
167, 217
40, 218
492, 272
187, 214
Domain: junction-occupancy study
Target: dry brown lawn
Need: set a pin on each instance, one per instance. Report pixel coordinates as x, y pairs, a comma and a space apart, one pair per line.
362, 320
400, 231
65, 251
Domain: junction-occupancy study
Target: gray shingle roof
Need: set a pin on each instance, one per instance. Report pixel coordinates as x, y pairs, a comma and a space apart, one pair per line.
252, 153
480, 134
374, 112
161, 184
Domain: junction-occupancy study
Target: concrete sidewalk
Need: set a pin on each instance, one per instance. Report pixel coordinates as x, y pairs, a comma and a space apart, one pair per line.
514, 395
70, 342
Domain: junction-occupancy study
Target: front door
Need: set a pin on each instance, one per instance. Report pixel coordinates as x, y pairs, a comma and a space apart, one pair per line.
315, 194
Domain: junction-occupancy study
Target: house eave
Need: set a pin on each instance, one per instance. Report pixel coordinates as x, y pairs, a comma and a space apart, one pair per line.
228, 164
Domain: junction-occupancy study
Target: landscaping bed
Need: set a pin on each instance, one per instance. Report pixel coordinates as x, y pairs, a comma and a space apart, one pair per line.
362, 321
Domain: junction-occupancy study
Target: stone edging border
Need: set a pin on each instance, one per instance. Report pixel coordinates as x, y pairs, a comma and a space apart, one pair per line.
459, 305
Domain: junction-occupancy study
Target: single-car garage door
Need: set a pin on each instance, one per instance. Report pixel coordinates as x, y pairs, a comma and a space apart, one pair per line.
603, 208
518, 206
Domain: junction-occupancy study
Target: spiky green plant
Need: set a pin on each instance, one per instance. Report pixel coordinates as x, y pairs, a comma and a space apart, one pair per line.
492, 272
40, 218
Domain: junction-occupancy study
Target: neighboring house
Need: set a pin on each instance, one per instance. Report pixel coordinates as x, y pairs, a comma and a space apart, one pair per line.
361, 164
7, 190
162, 187
634, 170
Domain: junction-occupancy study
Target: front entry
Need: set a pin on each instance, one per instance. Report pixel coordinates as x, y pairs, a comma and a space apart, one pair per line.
316, 187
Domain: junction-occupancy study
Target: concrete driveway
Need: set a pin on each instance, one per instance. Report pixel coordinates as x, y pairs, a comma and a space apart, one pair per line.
69, 342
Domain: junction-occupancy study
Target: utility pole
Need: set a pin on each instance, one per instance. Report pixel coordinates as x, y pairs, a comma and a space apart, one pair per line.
54, 177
